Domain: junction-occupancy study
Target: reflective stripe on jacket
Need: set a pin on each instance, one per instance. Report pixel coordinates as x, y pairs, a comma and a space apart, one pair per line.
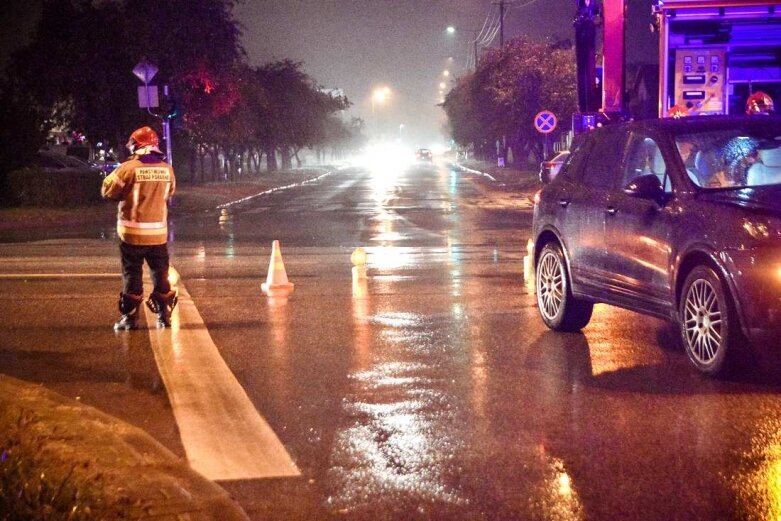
142, 185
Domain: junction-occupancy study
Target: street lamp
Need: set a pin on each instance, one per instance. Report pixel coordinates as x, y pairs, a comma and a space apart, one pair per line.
379, 95
451, 29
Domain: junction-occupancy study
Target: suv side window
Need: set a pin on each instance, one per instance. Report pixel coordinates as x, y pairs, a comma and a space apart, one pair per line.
605, 160
644, 157
579, 154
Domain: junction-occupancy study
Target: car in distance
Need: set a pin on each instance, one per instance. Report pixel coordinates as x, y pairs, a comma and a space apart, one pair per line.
53, 163
424, 155
551, 167
679, 219
106, 164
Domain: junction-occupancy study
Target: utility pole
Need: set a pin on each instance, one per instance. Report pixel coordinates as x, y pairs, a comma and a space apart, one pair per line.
502, 146
501, 4
501, 24
474, 43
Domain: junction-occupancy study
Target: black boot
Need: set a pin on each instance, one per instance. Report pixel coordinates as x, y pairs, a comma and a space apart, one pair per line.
163, 304
128, 306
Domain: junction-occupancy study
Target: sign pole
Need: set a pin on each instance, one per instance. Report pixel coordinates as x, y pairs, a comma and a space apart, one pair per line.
167, 131
145, 71
545, 122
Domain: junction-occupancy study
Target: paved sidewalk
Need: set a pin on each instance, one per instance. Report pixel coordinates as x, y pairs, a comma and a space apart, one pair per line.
509, 187
504, 178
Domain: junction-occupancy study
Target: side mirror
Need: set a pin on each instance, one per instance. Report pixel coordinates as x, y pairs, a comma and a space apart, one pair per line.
545, 177
645, 187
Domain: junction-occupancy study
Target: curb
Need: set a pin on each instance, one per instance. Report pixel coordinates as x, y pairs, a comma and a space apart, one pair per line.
477, 172
272, 190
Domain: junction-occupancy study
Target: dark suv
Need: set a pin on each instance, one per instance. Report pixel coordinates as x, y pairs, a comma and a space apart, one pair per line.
680, 219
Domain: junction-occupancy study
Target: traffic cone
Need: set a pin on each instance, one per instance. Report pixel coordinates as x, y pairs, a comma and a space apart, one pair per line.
276, 282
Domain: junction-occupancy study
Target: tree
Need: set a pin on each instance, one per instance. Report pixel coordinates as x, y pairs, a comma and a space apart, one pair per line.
466, 123
75, 70
79, 63
294, 110
510, 86
76, 73
21, 129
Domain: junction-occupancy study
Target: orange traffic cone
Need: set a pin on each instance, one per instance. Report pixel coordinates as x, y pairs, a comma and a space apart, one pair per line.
276, 282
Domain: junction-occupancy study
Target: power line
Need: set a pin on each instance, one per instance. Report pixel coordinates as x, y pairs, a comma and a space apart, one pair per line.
481, 37
524, 4
502, 15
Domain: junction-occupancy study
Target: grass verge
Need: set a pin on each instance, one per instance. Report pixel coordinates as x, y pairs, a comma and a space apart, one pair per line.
35, 486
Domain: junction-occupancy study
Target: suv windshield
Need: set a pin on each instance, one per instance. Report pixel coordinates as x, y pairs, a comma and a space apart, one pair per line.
731, 158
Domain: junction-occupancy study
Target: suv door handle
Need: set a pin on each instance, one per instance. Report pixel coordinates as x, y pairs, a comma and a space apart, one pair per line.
612, 210
563, 203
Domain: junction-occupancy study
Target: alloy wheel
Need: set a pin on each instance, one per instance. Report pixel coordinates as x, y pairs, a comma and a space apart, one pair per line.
550, 285
702, 319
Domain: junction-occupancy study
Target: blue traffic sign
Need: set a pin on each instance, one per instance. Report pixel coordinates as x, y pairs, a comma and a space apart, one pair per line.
545, 122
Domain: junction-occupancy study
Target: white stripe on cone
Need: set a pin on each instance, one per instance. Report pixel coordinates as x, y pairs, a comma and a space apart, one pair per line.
276, 280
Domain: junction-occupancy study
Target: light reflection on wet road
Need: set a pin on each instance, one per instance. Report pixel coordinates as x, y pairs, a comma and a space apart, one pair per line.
429, 391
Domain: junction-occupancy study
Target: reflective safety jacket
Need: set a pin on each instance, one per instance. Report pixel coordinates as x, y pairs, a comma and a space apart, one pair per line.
142, 185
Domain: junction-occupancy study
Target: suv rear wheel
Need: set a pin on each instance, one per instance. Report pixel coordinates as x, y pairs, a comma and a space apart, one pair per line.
708, 327
559, 309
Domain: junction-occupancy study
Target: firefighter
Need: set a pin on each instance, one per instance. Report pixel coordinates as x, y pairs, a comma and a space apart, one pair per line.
677, 111
759, 103
143, 185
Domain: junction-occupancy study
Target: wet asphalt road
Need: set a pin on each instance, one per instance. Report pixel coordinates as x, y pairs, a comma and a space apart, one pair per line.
439, 395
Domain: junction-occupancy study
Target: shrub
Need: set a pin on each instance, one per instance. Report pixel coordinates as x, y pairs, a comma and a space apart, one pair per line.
32, 186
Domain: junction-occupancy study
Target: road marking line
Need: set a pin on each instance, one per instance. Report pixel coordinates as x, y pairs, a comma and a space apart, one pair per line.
224, 436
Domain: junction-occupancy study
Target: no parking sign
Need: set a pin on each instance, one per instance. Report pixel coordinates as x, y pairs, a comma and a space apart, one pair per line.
545, 122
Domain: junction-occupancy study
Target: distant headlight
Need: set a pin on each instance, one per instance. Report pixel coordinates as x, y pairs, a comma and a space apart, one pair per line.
757, 229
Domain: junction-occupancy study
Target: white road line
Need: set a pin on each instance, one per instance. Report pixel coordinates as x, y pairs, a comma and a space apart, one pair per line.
224, 436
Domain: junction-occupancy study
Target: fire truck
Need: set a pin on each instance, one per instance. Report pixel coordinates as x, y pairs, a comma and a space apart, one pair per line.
713, 54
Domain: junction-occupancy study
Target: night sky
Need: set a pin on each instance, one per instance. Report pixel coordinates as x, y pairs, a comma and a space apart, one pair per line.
356, 45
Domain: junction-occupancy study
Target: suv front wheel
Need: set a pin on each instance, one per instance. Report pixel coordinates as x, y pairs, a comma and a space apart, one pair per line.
708, 329
559, 309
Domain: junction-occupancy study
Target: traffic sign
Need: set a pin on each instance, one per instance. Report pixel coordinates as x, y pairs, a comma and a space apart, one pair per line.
147, 96
545, 122
145, 71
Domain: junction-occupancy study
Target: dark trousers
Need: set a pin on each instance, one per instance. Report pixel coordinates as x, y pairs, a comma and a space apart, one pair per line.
133, 258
